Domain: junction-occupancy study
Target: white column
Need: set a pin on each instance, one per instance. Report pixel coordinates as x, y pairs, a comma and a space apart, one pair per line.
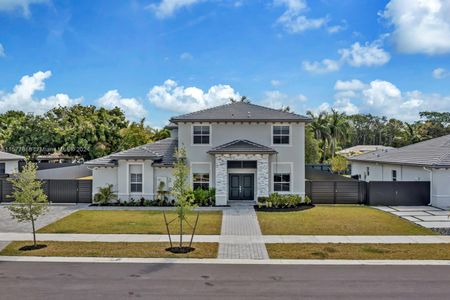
262, 175
221, 180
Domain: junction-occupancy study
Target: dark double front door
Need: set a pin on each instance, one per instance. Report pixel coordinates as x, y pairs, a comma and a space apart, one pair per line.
241, 186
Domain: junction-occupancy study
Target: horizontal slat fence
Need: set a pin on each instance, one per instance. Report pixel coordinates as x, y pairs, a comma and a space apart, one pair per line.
57, 191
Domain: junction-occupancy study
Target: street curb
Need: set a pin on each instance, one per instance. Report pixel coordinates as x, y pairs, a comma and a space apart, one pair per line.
325, 262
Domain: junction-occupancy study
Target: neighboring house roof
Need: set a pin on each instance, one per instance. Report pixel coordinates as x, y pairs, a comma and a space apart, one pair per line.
161, 152
241, 146
240, 111
360, 149
171, 126
10, 156
430, 153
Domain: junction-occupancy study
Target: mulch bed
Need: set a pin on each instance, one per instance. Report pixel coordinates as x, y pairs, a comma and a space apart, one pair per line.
283, 209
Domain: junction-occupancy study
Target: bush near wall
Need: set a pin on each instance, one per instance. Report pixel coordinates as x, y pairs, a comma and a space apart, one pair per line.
276, 200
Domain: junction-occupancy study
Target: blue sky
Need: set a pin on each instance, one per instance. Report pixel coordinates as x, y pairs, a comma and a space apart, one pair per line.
160, 58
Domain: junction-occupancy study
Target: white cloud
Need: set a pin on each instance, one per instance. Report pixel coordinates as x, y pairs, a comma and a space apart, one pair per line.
170, 96
2, 51
337, 28
275, 82
381, 97
420, 26
325, 66
293, 20
23, 5
186, 56
440, 73
277, 100
365, 55
133, 109
302, 98
167, 8
21, 98
354, 84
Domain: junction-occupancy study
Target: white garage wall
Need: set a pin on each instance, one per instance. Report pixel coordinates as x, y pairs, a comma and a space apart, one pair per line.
102, 177
11, 166
441, 188
383, 172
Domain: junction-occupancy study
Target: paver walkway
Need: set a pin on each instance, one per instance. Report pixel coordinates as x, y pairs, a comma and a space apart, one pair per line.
426, 216
241, 221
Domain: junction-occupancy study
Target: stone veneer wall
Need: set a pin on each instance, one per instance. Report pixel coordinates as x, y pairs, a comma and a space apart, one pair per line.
262, 174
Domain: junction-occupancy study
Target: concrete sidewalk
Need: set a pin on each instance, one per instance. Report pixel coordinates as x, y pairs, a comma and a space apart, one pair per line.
231, 239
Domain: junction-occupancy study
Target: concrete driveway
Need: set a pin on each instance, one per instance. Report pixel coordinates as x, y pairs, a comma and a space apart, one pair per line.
55, 212
426, 216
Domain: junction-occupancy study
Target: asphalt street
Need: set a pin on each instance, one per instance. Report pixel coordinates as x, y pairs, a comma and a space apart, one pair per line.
25, 280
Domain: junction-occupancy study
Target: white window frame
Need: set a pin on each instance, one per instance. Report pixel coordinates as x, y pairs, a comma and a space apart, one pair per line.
192, 134
291, 174
290, 135
201, 182
282, 182
129, 178
191, 173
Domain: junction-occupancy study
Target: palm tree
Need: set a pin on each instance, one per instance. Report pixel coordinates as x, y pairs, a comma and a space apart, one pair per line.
338, 127
412, 135
321, 130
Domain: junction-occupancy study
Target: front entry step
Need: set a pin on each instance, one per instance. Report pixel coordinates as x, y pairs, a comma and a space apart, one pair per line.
241, 203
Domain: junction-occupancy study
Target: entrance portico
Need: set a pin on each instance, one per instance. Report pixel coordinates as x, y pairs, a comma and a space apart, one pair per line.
247, 182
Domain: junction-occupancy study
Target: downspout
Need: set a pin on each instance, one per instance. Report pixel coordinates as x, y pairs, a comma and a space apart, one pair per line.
431, 184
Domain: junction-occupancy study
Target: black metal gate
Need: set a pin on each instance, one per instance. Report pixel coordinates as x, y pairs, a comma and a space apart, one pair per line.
407, 193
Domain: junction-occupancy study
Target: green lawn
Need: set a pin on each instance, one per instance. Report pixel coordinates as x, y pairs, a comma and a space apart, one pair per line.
97, 249
359, 251
131, 221
337, 220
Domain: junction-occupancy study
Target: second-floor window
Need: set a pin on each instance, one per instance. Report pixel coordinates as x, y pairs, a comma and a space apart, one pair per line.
281, 135
201, 134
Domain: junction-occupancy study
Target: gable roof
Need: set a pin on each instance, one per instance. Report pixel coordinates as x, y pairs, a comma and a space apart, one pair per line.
10, 156
241, 146
161, 152
240, 111
430, 153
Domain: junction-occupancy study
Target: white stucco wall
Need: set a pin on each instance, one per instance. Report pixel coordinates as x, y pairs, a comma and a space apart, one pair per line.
383, 172
102, 177
440, 188
11, 166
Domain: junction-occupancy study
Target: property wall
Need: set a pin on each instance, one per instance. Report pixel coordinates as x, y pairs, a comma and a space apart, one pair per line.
440, 188
11, 166
256, 132
383, 172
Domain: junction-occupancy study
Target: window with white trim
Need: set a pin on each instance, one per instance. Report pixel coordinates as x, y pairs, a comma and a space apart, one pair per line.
281, 182
2, 168
200, 180
201, 134
281, 135
394, 175
135, 178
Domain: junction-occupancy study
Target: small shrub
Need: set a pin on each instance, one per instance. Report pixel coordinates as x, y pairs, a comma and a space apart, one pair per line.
282, 201
307, 200
105, 195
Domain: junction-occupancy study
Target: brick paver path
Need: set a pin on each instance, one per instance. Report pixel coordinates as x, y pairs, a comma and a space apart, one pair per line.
239, 221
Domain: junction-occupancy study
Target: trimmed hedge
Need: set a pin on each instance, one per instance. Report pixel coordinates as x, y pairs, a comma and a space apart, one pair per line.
276, 200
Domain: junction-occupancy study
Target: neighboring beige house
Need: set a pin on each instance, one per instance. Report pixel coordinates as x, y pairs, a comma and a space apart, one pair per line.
242, 150
424, 161
361, 149
9, 163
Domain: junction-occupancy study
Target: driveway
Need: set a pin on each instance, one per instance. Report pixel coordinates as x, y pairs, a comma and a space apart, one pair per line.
426, 216
55, 212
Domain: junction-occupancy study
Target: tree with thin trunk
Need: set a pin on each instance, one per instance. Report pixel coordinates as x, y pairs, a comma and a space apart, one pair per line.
30, 201
183, 195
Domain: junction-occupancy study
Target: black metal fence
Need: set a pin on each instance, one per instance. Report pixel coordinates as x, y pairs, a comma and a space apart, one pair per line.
407, 193
57, 191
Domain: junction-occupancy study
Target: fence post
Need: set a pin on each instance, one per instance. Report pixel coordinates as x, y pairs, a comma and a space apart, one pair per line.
1, 190
78, 191
334, 192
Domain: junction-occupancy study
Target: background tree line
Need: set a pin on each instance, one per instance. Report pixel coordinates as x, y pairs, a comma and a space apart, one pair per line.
80, 131
332, 131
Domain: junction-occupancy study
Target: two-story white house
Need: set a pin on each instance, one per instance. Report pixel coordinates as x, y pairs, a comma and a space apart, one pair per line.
243, 150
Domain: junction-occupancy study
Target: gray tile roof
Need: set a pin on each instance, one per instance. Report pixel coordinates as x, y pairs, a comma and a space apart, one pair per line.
240, 111
241, 146
10, 156
431, 153
161, 152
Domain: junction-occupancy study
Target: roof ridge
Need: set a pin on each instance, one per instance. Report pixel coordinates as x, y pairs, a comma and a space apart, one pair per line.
198, 111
